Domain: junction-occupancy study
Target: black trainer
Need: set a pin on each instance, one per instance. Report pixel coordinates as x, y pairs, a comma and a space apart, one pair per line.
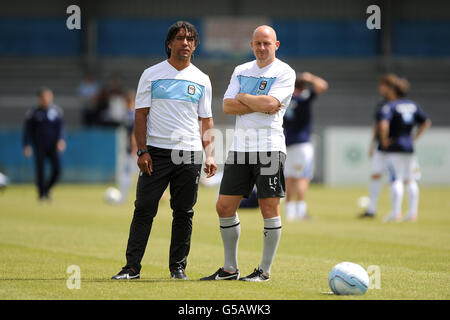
257, 276
179, 274
221, 274
126, 274
366, 215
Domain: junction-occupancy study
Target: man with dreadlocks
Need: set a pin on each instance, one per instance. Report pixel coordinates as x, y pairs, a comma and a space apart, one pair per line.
173, 124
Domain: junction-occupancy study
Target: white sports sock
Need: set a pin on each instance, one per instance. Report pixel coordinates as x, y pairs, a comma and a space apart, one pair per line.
412, 190
396, 197
374, 192
290, 210
230, 230
301, 209
272, 235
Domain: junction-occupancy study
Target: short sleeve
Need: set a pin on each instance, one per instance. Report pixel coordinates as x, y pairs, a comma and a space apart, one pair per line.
386, 112
144, 92
233, 87
204, 105
283, 87
420, 116
377, 114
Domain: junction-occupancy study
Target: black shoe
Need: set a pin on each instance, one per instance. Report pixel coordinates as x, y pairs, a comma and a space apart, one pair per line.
257, 276
221, 274
178, 274
127, 274
367, 215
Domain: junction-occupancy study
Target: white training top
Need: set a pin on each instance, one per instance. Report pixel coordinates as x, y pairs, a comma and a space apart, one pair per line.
259, 131
176, 100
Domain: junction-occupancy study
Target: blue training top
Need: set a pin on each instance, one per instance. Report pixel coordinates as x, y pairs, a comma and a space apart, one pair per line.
43, 127
298, 117
402, 115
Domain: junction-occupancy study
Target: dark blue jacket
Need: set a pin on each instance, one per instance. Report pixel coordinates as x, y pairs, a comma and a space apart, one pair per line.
43, 127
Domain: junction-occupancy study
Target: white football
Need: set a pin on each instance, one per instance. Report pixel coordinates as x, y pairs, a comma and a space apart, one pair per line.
347, 278
112, 195
363, 202
3, 181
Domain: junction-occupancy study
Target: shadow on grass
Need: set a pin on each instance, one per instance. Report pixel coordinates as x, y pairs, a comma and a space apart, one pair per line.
93, 280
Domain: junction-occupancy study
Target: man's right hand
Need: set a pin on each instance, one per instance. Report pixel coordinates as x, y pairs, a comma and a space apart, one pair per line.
145, 163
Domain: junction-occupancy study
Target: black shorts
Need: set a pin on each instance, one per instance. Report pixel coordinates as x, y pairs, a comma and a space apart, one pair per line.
244, 170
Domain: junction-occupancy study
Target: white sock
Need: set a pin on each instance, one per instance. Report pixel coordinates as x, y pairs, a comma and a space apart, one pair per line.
230, 230
301, 208
374, 192
412, 190
396, 197
290, 210
272, 235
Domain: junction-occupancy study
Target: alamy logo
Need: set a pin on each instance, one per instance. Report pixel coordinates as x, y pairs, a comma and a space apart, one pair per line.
74, 20
74, 279
374, 273
374, 20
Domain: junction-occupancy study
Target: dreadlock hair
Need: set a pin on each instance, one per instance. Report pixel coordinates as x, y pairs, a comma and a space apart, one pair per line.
173, 30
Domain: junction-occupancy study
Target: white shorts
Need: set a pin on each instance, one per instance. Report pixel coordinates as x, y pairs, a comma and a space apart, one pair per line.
299, 161
379, 162
403, 166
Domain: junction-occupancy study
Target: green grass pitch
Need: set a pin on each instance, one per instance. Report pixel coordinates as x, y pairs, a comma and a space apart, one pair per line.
38, 242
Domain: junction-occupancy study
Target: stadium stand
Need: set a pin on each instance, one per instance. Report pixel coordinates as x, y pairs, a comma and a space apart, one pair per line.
325, 37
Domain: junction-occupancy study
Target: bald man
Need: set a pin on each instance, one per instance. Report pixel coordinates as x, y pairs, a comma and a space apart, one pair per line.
257, 95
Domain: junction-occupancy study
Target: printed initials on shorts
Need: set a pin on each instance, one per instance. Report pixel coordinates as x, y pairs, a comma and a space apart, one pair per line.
273, 183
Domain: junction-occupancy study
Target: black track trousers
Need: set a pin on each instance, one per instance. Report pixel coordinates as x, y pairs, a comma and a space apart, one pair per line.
183, 179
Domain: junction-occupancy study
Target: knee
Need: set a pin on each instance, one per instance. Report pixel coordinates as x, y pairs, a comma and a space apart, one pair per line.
224, 210
269, 211
145, 208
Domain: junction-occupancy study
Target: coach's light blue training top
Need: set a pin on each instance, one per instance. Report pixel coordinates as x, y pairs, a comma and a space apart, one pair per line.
176, 100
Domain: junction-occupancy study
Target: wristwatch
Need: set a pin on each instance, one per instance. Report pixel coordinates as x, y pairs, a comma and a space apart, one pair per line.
140, 152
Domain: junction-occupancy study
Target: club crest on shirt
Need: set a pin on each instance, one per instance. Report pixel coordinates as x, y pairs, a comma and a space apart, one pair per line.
262, 85
191, 89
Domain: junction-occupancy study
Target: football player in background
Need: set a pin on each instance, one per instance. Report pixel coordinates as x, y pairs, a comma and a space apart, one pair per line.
300, 152
44, 136
398, 118
376, 151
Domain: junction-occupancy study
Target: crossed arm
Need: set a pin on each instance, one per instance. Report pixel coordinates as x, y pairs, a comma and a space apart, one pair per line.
245, 103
